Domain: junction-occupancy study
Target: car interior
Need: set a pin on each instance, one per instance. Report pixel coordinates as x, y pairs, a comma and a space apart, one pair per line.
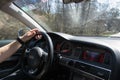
60, 56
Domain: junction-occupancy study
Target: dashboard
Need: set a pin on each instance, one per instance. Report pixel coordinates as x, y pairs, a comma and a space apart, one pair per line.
88, 58
79, 51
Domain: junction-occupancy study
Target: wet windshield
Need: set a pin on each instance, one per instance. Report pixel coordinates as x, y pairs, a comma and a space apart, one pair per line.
88, 18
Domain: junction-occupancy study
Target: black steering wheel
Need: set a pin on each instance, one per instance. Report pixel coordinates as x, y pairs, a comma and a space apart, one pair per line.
36, 61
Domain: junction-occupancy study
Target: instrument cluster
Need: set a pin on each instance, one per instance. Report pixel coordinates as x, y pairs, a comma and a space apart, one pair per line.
85, 53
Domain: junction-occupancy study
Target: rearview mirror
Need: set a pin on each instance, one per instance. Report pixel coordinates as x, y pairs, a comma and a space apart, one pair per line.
75, 1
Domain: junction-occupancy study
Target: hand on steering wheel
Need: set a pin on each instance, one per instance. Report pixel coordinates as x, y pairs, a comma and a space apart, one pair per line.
30, 34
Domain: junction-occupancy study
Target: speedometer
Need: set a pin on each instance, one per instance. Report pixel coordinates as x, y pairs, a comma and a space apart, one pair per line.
66, 48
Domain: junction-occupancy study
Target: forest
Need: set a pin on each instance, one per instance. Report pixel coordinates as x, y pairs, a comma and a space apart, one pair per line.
88, 18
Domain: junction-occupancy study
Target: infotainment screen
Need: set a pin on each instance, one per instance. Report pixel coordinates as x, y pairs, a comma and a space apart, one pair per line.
93, 56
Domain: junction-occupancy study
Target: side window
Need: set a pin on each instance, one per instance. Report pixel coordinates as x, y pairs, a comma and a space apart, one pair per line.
9, 26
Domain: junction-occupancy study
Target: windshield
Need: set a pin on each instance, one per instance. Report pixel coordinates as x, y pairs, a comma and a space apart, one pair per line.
88, 18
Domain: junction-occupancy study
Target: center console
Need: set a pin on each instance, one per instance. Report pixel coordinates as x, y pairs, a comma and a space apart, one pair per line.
85, 71
86, 62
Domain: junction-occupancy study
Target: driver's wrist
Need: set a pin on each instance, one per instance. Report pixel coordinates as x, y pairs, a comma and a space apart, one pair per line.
20, 41
23, 39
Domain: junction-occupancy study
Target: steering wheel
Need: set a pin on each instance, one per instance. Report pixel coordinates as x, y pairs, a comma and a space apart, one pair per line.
36, 61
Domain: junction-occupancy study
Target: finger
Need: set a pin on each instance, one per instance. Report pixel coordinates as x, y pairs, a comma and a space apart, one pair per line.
38, 36
35, 29
31, 33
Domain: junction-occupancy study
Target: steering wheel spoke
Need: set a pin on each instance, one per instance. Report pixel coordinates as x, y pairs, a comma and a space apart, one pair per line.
45, 56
